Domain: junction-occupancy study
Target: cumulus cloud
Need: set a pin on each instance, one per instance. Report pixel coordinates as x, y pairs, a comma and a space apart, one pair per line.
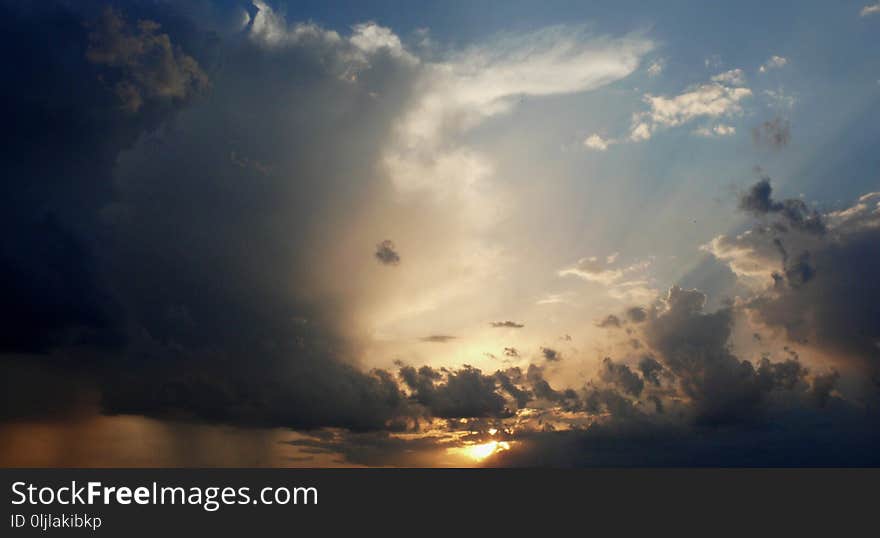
819, 291
621, 376
147, 66
719, 99
596, 142
711, 100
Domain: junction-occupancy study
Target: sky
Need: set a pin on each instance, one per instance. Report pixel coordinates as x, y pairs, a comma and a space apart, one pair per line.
440, 234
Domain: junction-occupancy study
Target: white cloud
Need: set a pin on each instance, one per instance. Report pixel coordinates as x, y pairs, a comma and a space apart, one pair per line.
596, 142
708, 100
467, 88
370, 38
752, 256
734, 77
775, 62
716, 130
714, 99
870, 10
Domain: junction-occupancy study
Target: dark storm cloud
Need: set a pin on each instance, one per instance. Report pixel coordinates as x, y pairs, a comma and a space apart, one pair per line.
466, 392
508, 380
130, 244
693, 345
437, 338
794, 212
568, 399
650, 369
621, 376
146, 64
507, 324
386, 253
829, 295
775, 133
835, 437
58, 167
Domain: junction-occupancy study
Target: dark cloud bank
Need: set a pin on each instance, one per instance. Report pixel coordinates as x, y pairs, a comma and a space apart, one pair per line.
153, 262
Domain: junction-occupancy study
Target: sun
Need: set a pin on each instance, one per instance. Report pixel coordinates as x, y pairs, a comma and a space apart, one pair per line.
482, 451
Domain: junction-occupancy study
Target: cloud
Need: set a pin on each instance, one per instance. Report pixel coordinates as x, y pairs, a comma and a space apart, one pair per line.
621, 376
609, 321
636, 314
550, 354
655, 68
715, 131
146, 65
775, 62
596, 142
464, 89
595, 270
775, 133
507, 324
461, 393
719, 99
870, 9
734, 77
438, 338
622, 283
753, 255
794, 212
716, 99
386, 253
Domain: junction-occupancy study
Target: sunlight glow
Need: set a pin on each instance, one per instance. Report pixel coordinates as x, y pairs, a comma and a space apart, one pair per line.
484, 450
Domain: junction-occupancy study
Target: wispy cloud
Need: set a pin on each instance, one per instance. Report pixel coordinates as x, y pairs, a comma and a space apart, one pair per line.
775, 62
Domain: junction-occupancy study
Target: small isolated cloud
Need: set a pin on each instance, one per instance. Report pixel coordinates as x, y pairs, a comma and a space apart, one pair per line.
597, 143
775, 133
775, 62
437, 338
386, 253
715, 131
609, 321
507, 324
511, 352
550, 354
870, 10
656, 68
